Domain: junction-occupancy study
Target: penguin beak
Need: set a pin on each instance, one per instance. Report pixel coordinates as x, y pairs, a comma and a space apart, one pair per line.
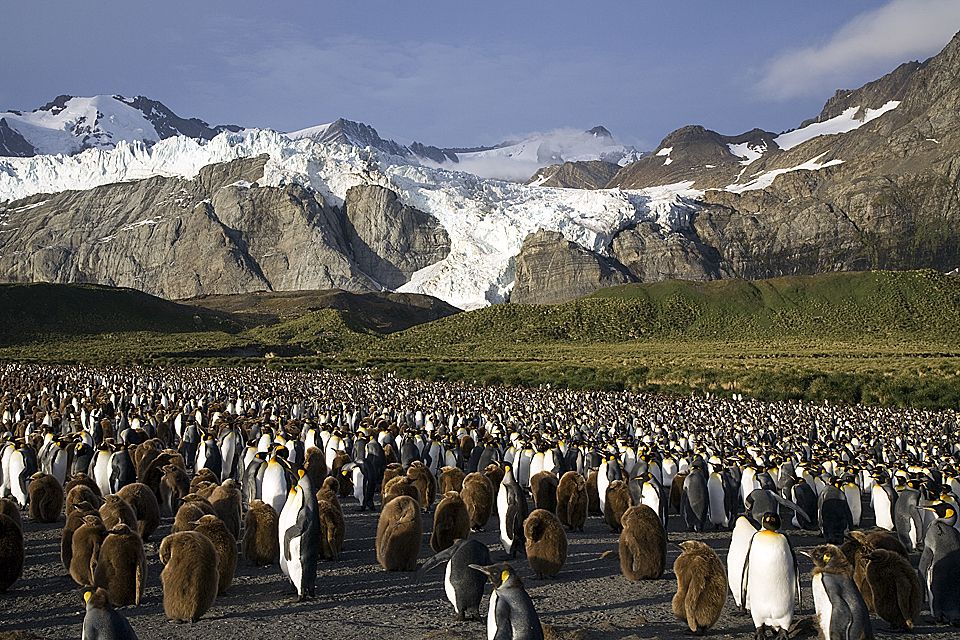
484, 570
806, 552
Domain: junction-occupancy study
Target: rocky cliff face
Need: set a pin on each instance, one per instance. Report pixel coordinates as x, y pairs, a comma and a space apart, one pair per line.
217, 234
589, 174
388, 240
651, 253
552, 269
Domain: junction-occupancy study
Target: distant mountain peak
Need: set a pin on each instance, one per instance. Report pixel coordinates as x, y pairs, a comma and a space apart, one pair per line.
70, 124
600, 131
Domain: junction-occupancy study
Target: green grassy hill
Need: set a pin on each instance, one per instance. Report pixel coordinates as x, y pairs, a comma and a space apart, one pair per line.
880, 337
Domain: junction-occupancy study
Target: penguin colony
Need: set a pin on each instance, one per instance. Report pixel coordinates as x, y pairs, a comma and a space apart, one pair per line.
261, 461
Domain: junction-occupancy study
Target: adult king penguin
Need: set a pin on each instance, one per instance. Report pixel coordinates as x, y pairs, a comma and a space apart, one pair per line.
512, 511
771, 579
463, 585
511, 615
299, 531
841, 612
940, 564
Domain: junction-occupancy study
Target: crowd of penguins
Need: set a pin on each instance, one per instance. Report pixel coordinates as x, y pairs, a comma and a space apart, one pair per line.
253, 464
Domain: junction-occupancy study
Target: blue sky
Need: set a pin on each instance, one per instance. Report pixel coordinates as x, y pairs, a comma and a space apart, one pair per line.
462, 73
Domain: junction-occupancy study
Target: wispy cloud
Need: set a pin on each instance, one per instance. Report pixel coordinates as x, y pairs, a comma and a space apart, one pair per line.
897, 31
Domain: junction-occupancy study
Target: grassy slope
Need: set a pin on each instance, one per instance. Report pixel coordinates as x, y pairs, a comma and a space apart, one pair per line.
879, 337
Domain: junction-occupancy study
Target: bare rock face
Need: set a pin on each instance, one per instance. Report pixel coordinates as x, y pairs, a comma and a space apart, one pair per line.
588, 174
552, 269
652, 253
388, 240
179, 238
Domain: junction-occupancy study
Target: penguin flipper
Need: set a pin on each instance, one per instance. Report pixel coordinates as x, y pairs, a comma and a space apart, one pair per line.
791, 505
745, 575
841, 618
438, 558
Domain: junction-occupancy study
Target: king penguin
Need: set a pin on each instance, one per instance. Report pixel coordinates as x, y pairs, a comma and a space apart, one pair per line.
463, 585
743, 532
299, 531
940, 564
841, 612
510, 614
512, 511
771, 579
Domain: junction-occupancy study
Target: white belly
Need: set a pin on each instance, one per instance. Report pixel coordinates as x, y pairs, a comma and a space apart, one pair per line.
771, 585
502, 516
448, 588
821, 602
881, 507
492, 616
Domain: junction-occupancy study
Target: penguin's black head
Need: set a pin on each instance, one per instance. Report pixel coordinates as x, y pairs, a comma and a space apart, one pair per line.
501, 575
945, 511
770, 521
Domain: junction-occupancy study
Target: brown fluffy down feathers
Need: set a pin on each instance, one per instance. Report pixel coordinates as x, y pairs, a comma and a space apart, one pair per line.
643, 544
546, 543
190, 575
398, 534
701, 586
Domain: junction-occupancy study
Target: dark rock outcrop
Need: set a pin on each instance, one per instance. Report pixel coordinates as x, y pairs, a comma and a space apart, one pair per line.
652, 253
388, 240
552, 269
12, 143
589, 174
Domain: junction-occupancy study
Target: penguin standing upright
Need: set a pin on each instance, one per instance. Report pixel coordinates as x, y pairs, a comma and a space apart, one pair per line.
906, 516
512, 511
695, 498
463, 585
510, 614
883, 498
101, 621
743, 532
841, 611
299, 532
940, 564
11, 552
771, 579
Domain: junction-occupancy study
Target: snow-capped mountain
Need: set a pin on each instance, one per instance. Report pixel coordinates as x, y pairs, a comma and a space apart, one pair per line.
68, 125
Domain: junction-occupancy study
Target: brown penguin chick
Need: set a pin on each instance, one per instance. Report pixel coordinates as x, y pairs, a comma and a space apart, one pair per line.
227, 504
145, 507
201, 476
315, 465
121, 566
392, 470
82, 493
115, 510
572, 501
451, 479
544, 485
676, 490
643, 544
546, 543
192, 509
399, 531
74, 522
261, 535
204, 489
593, 494
617, 503
466, 446
346, 480
11, 509
143, 454
390, 455
85, 545
11, 552
330, 491
189, 575
174, 487
701, 586
226, 545
891, 588
332, 529
45, 498
425, 483
451, 521
494, 473
478, 496
82, 479
400, 486
153, 473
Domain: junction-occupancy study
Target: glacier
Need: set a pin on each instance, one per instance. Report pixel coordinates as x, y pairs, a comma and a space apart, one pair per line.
487, 220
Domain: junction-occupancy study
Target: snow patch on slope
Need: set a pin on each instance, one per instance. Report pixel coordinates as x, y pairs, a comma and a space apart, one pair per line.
766, 178
486, 220
846, 121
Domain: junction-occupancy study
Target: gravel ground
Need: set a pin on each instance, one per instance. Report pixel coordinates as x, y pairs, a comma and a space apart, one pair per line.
357, 600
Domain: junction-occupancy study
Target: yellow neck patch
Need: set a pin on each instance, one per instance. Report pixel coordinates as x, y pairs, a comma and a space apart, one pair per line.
504, 576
